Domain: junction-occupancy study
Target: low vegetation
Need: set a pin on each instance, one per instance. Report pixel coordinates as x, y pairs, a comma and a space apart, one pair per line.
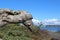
16, 32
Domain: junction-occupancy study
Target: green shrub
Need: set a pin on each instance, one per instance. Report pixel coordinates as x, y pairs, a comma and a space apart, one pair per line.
15, 32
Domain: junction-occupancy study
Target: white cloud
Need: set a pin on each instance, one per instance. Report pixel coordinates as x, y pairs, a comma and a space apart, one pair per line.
51, 22
47, 22
36, 21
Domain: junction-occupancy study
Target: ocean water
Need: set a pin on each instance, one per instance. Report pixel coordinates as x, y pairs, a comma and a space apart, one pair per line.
50, 28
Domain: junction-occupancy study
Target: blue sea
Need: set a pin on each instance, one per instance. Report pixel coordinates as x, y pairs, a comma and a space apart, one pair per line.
51, 28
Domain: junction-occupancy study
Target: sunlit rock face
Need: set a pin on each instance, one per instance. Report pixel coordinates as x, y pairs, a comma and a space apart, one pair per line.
18, 16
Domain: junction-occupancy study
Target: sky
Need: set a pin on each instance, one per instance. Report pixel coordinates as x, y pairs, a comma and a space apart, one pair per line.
47, 11
40, 9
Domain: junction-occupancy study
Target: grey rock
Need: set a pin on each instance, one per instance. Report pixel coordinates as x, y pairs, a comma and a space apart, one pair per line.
2, 23
24, 14
19, 16
7, 11
0, 39
29, 25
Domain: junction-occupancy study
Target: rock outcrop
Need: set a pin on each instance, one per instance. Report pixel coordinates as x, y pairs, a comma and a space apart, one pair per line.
18, 16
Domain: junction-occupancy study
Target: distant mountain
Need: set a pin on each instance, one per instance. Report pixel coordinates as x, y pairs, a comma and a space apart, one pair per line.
52, 25
58, 31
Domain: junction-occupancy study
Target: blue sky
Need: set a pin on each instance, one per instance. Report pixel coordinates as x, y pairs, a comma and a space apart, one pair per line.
40, 9
47, 10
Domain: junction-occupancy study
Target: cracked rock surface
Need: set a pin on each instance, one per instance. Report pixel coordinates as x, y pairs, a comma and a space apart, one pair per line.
16, 16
